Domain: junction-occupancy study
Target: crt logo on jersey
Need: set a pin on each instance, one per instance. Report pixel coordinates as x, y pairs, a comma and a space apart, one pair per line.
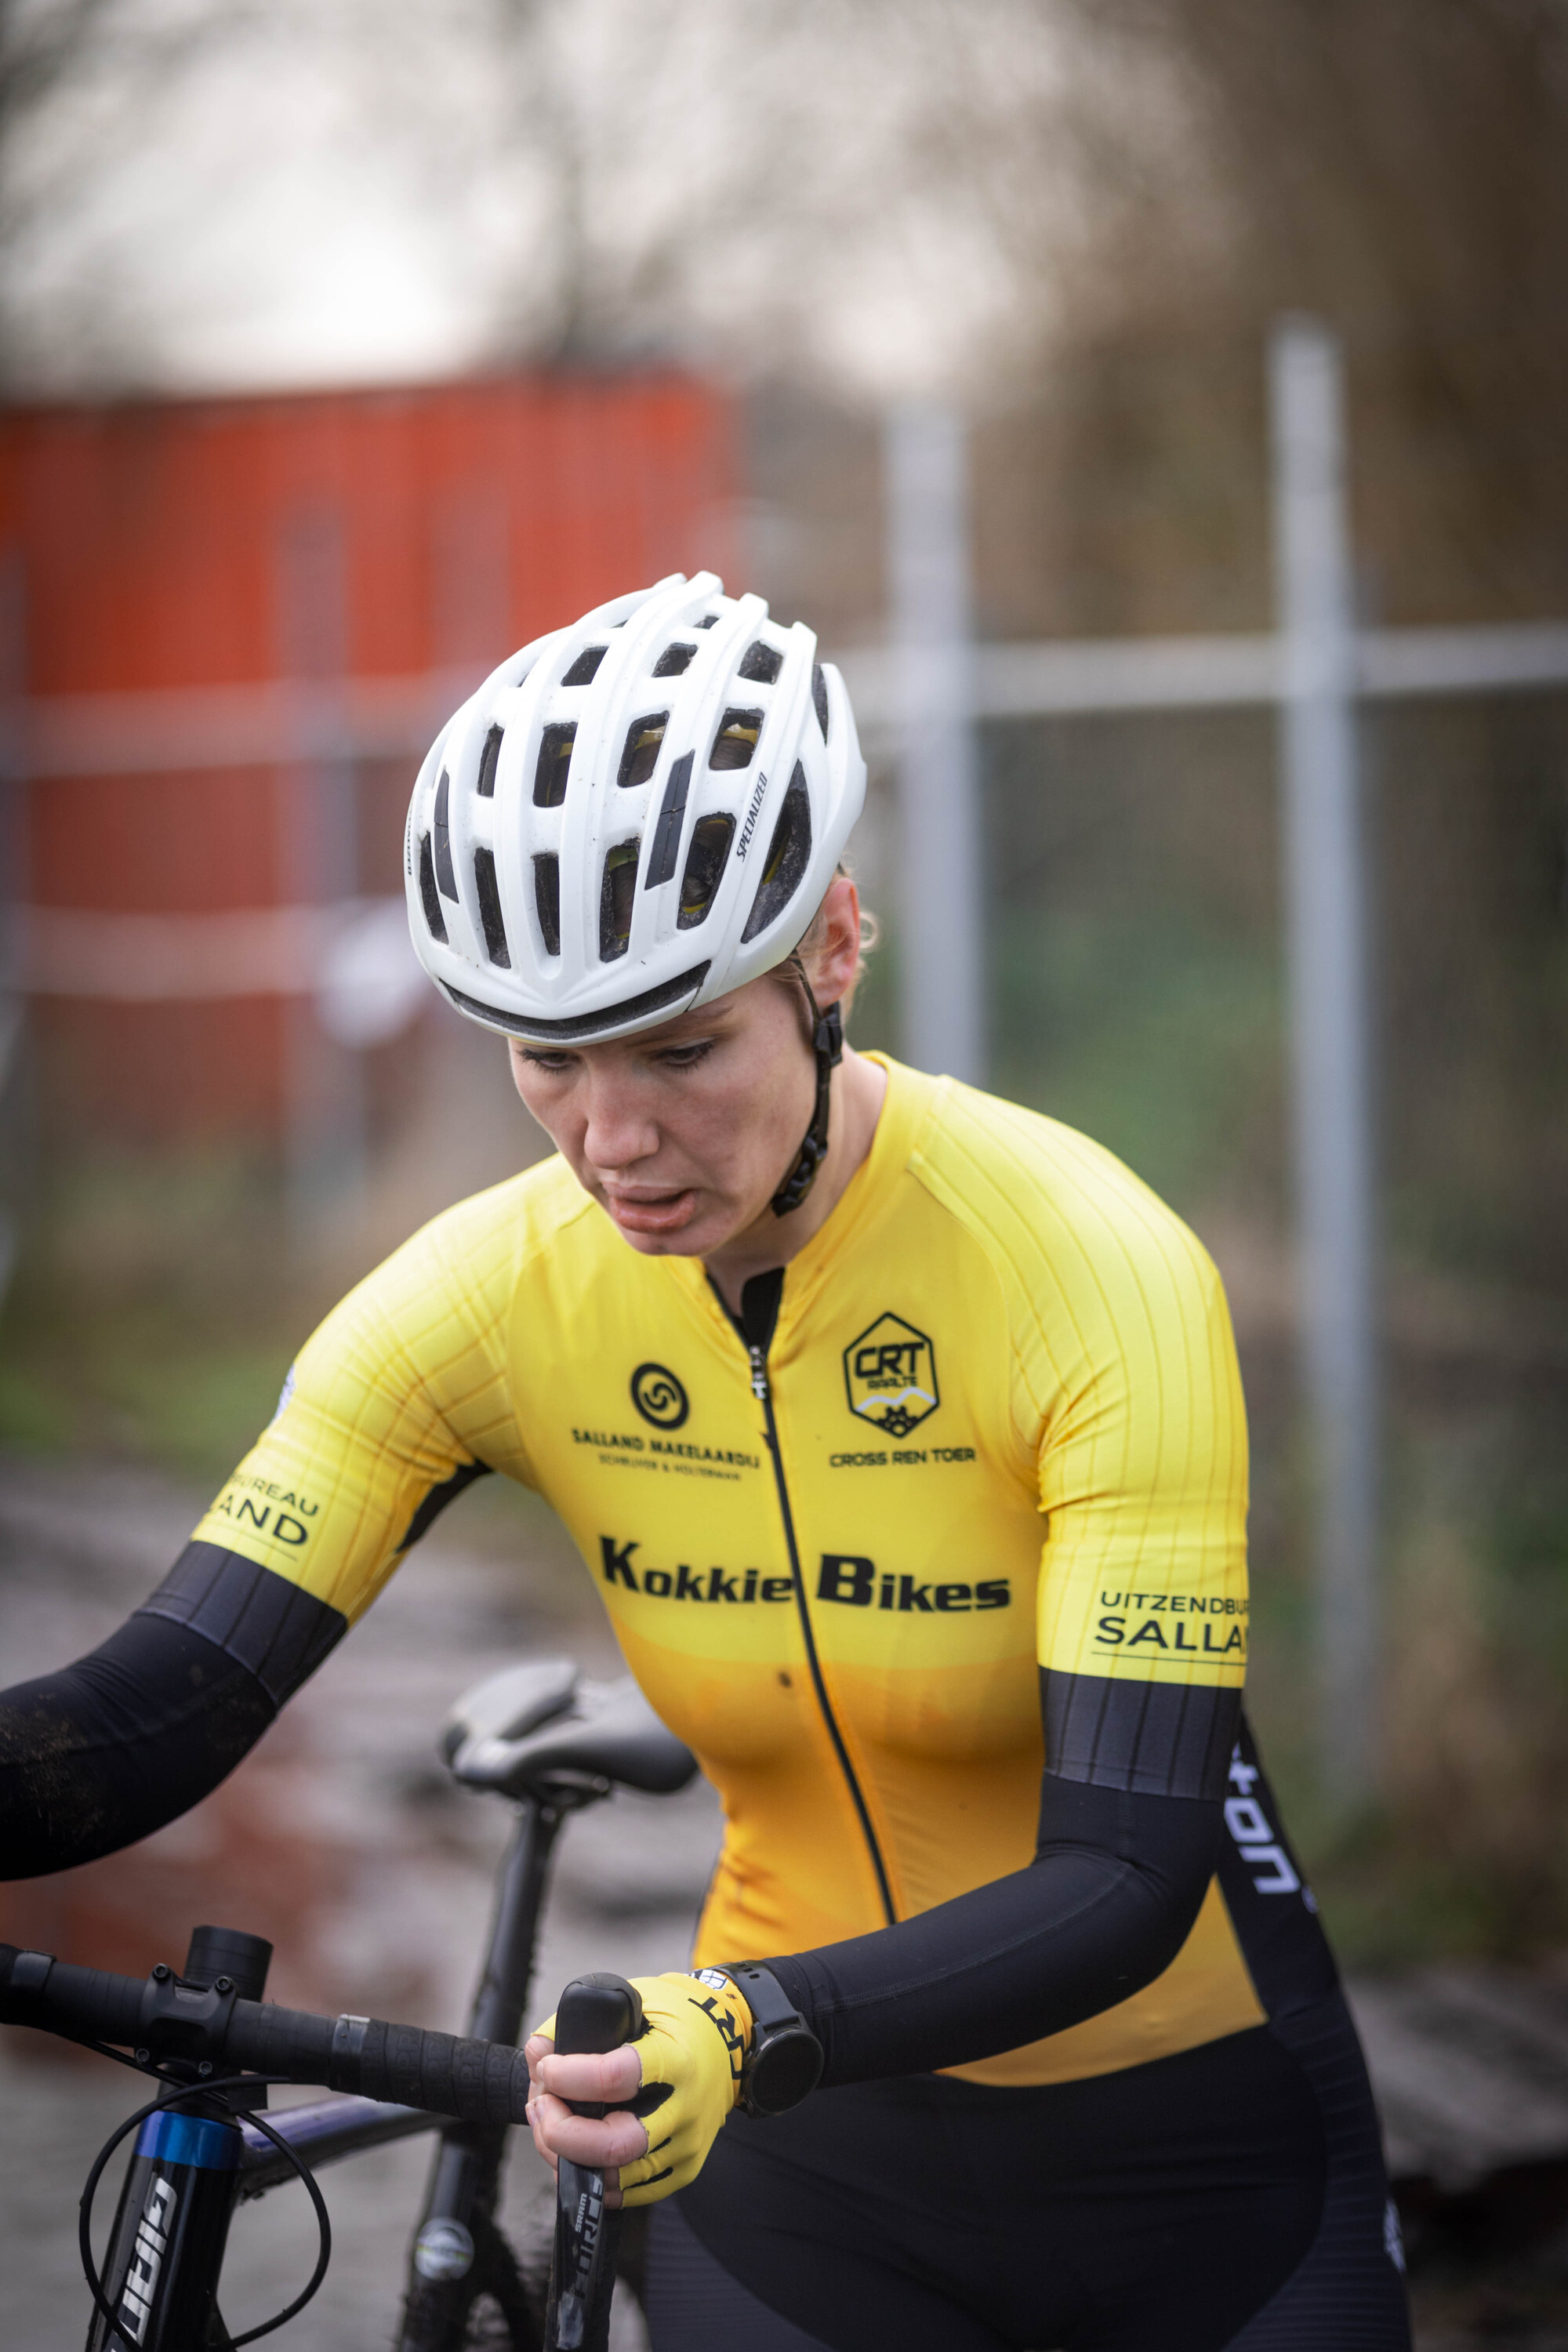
889, 1375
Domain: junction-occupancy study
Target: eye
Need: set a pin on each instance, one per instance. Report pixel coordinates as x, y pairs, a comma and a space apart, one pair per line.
687, 1057
540, 1058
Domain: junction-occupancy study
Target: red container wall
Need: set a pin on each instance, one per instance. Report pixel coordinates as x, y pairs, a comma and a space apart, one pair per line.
160, 547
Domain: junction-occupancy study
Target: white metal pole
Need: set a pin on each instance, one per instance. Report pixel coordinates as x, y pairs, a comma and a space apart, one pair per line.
325, 1116
941, 982
1330, 1025
17, 1139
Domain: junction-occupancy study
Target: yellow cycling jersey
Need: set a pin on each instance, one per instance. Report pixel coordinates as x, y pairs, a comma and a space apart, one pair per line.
998, 1427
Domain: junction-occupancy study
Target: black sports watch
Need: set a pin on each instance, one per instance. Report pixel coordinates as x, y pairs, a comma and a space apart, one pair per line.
783, 2064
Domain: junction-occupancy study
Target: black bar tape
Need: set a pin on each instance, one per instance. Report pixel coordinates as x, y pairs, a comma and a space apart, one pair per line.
478, 2082
266, 2040
81, 2004
443, 2073
482, 2082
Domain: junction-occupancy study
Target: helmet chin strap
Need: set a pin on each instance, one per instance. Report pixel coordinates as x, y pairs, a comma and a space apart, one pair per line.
827, 1044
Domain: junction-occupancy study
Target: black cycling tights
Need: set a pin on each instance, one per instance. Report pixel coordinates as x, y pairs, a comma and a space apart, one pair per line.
1230, 2199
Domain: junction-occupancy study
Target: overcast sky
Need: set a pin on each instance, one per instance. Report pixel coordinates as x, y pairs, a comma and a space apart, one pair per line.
884, 196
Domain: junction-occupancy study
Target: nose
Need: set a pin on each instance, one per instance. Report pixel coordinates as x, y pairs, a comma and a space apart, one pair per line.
620, 1133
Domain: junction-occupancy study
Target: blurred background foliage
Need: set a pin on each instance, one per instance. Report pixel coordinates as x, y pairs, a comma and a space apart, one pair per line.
1079, 220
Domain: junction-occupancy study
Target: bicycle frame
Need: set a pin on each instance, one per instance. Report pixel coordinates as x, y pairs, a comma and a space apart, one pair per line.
189, 2168
457, 2252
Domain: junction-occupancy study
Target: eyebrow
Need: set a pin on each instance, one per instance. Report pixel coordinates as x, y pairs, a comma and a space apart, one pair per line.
691, 1029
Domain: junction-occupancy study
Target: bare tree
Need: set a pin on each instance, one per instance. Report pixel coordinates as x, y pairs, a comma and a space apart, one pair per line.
76, 81
1402, 166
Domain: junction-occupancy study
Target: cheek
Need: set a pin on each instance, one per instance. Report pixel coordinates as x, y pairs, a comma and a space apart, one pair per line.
751, 1125
548, 1104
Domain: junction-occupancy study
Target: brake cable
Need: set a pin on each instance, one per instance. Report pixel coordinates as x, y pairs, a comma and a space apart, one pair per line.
165, 2104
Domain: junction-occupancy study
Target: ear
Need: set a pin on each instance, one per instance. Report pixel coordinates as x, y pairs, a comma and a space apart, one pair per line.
836, 957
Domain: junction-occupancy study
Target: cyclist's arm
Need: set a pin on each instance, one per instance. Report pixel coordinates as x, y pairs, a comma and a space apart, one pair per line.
1109, 1899
1131, 1402
107, 1750
380, 1426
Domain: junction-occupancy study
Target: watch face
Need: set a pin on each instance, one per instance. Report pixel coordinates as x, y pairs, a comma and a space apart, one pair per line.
786, 2067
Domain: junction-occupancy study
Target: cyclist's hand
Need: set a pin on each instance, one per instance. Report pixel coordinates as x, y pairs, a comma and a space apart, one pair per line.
668, 2092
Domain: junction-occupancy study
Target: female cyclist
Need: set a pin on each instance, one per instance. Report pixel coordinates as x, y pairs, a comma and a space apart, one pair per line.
900, 1432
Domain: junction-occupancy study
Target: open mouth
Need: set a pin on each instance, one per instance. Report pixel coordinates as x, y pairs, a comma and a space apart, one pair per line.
652, 1213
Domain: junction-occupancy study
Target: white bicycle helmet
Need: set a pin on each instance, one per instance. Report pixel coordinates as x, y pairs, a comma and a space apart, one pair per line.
632, 816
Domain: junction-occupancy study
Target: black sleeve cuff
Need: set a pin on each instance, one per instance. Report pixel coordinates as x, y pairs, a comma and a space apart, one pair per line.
276, 1632
108, 1750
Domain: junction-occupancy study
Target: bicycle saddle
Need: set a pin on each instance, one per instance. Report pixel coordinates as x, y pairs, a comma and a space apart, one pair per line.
539, 1729
511, 1704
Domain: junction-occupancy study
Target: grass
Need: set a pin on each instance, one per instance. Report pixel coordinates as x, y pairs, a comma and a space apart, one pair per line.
149, 1316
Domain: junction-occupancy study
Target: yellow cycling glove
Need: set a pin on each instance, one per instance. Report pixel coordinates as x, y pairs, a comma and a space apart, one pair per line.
698, 2029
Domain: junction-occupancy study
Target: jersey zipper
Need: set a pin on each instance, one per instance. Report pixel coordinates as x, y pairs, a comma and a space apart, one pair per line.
762, 1389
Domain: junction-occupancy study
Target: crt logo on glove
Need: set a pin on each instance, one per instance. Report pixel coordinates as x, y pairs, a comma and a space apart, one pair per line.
721, 2020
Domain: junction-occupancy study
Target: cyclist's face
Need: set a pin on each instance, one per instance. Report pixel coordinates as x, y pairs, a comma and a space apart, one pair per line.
683, 1134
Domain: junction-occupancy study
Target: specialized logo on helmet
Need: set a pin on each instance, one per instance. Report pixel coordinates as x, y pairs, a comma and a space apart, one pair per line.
889, 1373
660, 1397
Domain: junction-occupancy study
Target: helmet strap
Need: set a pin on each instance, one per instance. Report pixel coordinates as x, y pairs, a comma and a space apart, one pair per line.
827, 1044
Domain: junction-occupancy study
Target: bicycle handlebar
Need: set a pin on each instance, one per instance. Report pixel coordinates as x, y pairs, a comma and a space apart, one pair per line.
208, 2027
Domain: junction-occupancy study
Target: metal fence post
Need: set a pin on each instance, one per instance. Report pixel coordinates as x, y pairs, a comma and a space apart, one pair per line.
16, 1140
941, 982
1327, 956
324, 1108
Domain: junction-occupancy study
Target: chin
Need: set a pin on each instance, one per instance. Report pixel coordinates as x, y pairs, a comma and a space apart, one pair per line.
700, 1238
692, 1241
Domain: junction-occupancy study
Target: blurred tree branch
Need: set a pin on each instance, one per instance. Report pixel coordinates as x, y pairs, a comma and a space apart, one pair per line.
873, 194
1401, 166
103, 61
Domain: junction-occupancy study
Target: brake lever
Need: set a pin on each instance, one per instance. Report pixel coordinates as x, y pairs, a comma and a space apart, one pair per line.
596, 2013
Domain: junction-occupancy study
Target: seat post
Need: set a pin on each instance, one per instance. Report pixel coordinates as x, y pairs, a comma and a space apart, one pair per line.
501, 1997
455, 2252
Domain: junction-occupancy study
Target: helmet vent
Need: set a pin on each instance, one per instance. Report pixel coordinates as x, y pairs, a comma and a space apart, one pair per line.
547, 900
760, 663
447, 881
615, 899
710, 839
555, 763
489, 908
819, 696
641, 758
787, 858
489, 758
586, 668
674, 661
709, 621
435, 920
667, 834
736, 739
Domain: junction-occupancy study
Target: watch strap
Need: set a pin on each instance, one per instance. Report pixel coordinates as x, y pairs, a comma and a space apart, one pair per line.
785, 2059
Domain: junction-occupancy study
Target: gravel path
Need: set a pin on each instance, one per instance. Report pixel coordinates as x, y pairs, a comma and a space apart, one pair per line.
343, 1838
